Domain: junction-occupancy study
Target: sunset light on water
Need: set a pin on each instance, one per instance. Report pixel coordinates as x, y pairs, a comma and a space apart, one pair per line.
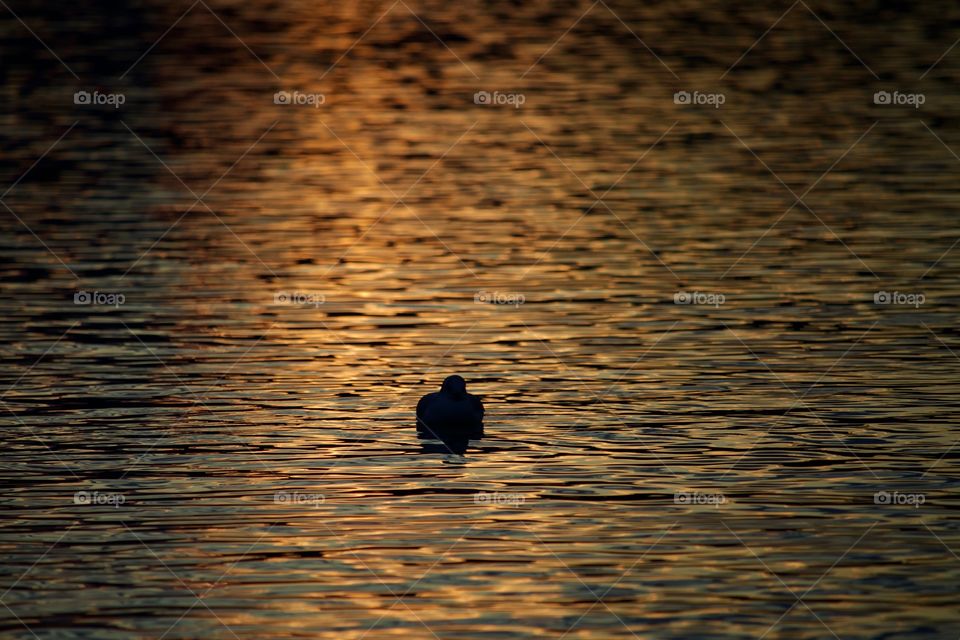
695, 263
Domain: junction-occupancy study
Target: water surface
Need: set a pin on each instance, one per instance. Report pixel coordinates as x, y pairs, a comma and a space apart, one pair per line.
651, 469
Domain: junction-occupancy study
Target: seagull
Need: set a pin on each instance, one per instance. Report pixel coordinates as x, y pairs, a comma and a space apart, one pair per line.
451, 415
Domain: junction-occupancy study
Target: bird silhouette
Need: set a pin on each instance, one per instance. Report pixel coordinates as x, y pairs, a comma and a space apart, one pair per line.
451, 415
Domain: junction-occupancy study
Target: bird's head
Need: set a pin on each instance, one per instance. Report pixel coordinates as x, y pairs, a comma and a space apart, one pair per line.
455, 386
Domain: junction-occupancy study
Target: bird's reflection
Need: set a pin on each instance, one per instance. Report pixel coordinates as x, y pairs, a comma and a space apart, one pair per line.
443, 448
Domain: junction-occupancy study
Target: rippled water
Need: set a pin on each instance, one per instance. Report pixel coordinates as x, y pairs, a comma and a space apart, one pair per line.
249, 468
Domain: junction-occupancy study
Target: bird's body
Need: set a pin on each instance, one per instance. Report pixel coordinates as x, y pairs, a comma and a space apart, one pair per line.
451, 414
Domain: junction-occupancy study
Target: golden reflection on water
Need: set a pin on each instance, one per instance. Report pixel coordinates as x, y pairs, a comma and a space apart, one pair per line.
389, 211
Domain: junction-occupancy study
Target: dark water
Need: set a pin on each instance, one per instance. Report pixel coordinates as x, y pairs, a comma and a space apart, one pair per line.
779, 462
